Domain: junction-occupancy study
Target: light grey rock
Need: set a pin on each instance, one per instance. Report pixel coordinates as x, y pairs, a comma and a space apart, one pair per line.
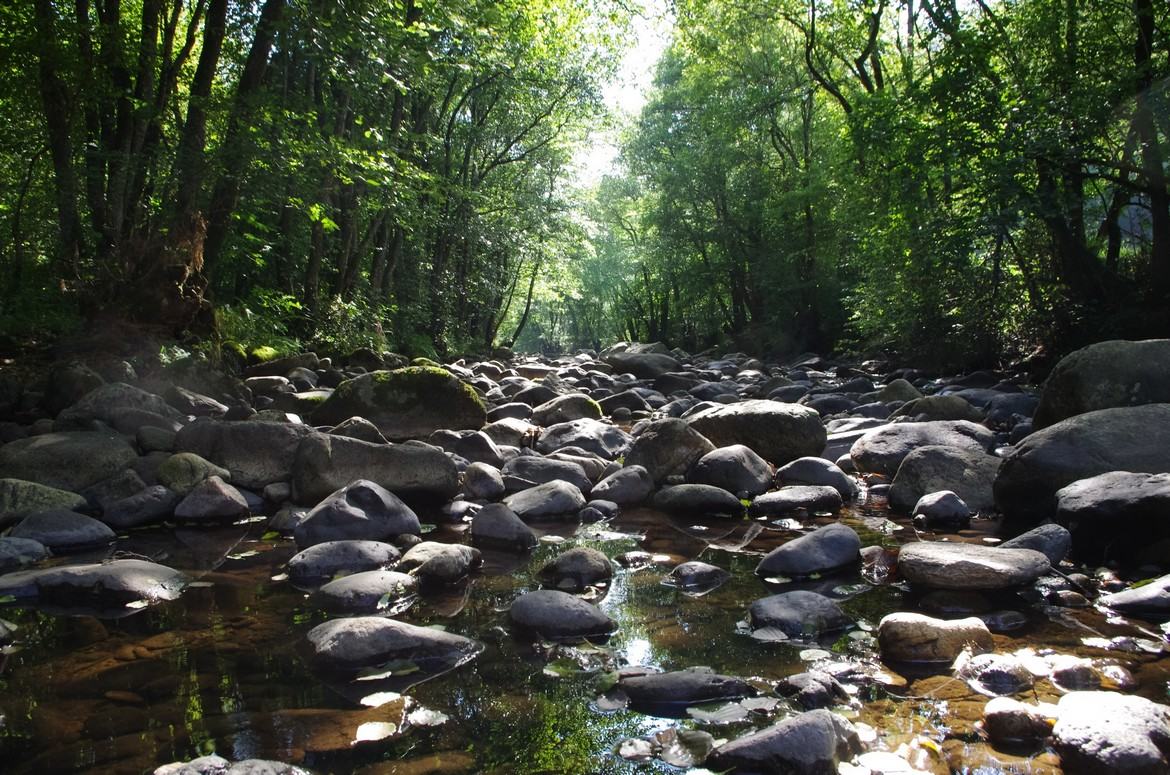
347, 646
542, 470
628, 486
1053, 541
969, 473
255, 452
110, 584
945, 565
667, 448
594, 436
913, 637
811, 690
212, 500
366, 592
778, 432
438, 563
62, 530
786, 500
483, 482
812, 743
321, 562
1107, 732
882, 450
817, 471
1149, 600
942, 509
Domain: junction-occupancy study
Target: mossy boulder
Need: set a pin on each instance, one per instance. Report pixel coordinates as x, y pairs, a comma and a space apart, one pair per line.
410, 403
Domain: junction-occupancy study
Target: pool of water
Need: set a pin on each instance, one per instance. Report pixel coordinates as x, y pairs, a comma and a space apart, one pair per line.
219, 670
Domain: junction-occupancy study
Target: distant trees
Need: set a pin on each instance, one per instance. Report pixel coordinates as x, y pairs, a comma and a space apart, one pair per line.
927, 176
376, 164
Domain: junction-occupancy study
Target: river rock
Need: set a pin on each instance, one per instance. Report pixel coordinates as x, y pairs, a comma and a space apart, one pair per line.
642, 365
1149, 600
189, 402
1053, 541
969, 473
152, 505
1117, 513
882, 450
816, 471
576, 569
897, 390
1106, 732
542, 470
691, 686
697, 499
321, 562
1008, 721
826, 549
61, 530
944, 565
546, 500
800, 615
217, 765
557, 615
438, 563
16, 553
410, 403
628, 486
359, 428
109, 584
19, 498
995, 674
667, 448
696, 577
593, 436
786, 500
778, 432
67, 384
483, 482
811, 690
1105, 375
106, 402
912, 637
69, 461
736, 469
211, 500
498, 527
939, 407
1133, 439
348, 646
942, 509
326, 463
363, 510
574, 406
119, 486
365, 592
812, 743
255, 452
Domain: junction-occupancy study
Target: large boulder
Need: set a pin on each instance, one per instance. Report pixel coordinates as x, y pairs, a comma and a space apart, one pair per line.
882, 450
256, 453
541, 470
574, 406
643, 365
348, 646
969, 473
19, 498
946, 565
697, 500
70, 461
1135, 439
62, 530
106, 402
667, 448
551, 499
1107, 732
812, 743
816, 471
1105, 375
826, 549
630, 485
558, 615
1116, 516
362, 510
778, 432
410, 403
102, 585
594, 436
736, 469
325, 463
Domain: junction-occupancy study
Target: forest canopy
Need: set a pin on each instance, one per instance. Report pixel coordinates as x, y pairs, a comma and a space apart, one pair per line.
925, 177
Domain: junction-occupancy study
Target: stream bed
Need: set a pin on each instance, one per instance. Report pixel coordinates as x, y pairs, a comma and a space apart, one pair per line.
220, 670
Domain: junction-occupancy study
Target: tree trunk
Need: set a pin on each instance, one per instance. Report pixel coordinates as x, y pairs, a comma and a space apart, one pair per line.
1153, 164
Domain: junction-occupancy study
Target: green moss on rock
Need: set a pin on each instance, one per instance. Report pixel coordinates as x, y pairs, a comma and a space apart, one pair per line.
262, 354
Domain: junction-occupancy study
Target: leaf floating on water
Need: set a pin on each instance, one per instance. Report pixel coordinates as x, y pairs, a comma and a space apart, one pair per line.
200, 584
136, 605
427, 527
271, 535
552, 539
812, 655
562, 668
378, 699
425, 717
374, 730
731, 713
243, 555
683, 748
6, 599
770, 635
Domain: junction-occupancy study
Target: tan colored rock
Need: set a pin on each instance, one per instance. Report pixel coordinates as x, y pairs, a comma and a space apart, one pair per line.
911, 637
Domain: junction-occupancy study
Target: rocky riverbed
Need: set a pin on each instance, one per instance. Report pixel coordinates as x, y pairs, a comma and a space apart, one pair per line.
638, 560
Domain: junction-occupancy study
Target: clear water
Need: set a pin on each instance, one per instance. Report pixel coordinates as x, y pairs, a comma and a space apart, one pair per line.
219, 670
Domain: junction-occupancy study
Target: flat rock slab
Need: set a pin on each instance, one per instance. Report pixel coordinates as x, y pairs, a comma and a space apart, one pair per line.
559, 615
110, 584
786, 500
1100, 732
1149, 600
354, 644
684, 687
940, 565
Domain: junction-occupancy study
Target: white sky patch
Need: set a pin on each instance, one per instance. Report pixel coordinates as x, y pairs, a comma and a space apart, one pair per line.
627, 93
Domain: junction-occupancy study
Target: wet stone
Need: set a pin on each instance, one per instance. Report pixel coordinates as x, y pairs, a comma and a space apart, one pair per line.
576, 569
367, 592
800, 615
497, 526
812, 690
350, 645
558, 615
696, 576
63, 530
787, 500
438, 563
321, 562
16, 553
683, 687
941, 565
911, 637
826, 549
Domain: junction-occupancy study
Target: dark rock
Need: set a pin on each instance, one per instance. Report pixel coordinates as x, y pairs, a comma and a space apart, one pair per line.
778, 432
212, 500
816, 471
628, 486
184, 471
62, 530
824, 550
541, 470
366, 592
359, 428
800, 615
787, 500
1115, 516
408, 403
1150, 600
1133, 439
499, 527
325, 463
1053, 541
574, 406
483, 482
558, 615
736, 469
69, 461
17, 553
683, 687
19, 498
576, 569
347, 646
1106, 375
642, 365
110, 584
593, 436
812, 690
363, 510
942, 509
969, 473
546, 500
698, 499
152, 505
696, 577
256, 453
812, 743
321, 562
667, 448
882, 450
438, 563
